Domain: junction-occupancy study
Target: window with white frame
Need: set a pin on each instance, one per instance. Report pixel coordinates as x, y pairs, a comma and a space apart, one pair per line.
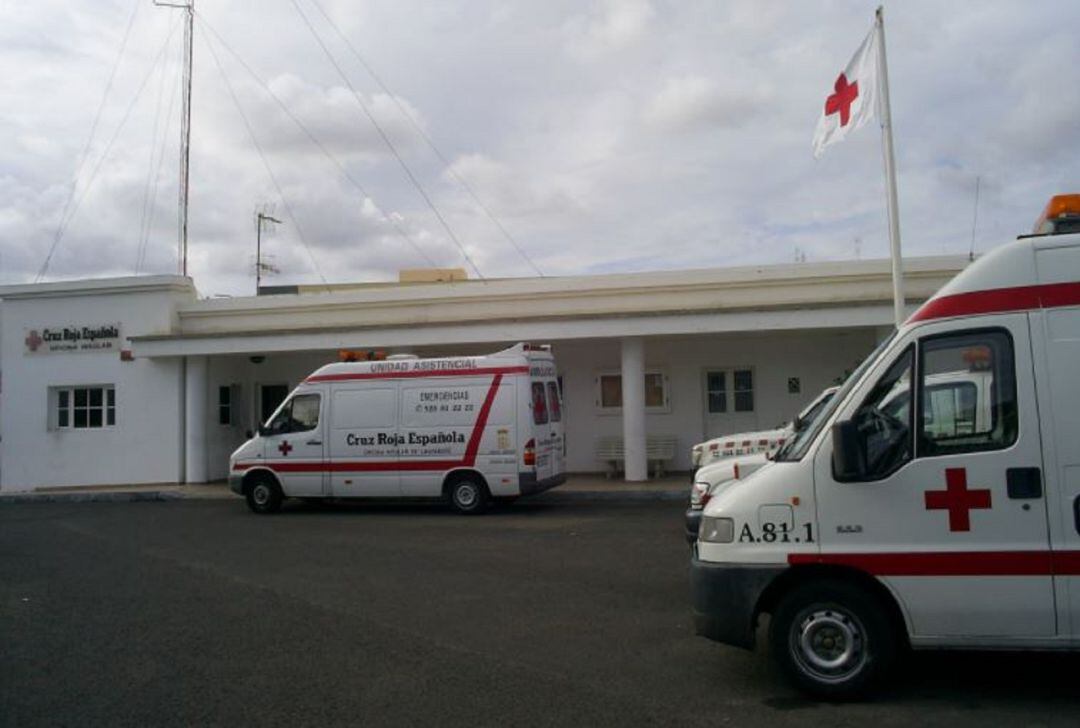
609, 392
91, 407
729, 390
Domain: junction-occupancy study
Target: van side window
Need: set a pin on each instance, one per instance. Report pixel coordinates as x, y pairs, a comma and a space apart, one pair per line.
967, 393
299, 414
884, 419
539, 404
555, 403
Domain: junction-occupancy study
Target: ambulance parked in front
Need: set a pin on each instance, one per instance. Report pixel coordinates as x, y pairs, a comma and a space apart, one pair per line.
936, 500
466, 429
765, 441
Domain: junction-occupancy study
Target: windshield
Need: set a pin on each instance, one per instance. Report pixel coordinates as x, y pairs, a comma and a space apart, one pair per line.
797, 446
810, 415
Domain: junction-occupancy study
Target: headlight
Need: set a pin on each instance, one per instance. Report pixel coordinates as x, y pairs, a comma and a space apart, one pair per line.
699, 494
716, 530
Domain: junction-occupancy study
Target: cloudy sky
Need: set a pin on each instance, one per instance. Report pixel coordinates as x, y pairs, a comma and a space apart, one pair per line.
604, 135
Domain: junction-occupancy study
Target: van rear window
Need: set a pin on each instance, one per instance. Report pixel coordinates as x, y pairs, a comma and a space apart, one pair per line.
539, 404
555, 404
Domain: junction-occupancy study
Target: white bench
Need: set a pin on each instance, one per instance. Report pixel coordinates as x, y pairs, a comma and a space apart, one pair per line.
659, 449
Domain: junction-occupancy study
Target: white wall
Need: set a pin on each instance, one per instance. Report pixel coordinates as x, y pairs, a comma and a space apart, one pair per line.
816, 358
144, 445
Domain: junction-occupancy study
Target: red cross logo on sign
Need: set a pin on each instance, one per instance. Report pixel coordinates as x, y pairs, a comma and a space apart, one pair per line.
842, 100
957, 499
33, 340
285, 447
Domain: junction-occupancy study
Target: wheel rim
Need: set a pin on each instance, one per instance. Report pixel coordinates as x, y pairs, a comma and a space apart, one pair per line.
466, 494
828, 643
261, 494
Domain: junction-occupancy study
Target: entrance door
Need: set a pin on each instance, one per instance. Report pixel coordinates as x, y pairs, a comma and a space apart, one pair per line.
729, 401
942, 514
270, 398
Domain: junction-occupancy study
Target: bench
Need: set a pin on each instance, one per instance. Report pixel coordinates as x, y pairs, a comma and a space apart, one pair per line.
659, 449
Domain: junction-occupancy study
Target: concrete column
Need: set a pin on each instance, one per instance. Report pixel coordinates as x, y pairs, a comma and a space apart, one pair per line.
195, 395
633, 408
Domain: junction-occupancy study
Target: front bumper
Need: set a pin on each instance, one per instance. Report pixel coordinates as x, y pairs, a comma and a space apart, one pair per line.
236, 483
693, 520
724, 598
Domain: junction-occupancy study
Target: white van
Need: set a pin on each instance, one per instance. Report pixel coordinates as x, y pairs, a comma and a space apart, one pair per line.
946, 519
467, 429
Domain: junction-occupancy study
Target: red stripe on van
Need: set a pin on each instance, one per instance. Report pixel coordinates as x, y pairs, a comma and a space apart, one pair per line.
953, 563
282, 465
1000, 300
478, 371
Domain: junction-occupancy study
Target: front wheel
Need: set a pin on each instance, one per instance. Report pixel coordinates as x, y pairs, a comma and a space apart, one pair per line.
832, 639
468, 495
264, 496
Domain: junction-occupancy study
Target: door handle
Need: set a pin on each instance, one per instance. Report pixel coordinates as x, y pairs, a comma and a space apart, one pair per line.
314, 442
1024, 483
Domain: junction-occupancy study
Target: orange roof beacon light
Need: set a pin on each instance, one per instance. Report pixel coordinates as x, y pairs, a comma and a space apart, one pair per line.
1062, 215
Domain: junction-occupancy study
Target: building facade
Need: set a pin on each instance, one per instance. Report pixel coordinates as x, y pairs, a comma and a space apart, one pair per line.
138, 380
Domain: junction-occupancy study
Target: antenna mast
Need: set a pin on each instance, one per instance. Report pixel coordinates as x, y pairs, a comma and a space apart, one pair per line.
185, 127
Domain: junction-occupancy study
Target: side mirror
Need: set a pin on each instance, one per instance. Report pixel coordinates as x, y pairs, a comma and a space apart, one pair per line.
797, 424
248, 434
848, 458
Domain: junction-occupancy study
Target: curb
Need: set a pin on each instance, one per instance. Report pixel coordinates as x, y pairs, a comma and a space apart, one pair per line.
577, 496
571, 496
110, 497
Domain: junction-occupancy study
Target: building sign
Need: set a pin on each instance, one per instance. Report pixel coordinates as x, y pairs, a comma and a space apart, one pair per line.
66, 339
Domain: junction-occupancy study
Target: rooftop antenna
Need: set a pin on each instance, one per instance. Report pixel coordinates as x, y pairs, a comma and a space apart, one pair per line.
260, 218
185, 127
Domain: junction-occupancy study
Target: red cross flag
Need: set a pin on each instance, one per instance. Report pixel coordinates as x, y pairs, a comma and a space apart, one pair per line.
853, 98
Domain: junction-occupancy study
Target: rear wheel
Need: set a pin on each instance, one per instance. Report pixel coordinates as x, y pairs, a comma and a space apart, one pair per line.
833, 639
264, 495
468, 495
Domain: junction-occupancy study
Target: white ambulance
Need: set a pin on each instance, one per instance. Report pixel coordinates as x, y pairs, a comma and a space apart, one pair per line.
951, 523
466, 429
749, 443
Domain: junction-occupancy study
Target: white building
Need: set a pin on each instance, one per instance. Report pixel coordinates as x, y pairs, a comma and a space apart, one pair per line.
137, 380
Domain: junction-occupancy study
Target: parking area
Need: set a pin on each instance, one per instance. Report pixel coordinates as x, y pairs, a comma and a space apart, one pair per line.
542, 613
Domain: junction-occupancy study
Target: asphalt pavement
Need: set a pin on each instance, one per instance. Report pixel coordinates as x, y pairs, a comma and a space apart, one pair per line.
541, 613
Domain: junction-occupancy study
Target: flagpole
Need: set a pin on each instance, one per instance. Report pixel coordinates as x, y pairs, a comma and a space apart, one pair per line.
890, 175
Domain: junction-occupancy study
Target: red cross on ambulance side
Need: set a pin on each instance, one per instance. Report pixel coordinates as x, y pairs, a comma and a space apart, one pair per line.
285, 447
957, 499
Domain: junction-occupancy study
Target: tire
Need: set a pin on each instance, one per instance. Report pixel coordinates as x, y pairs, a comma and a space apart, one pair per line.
833, 639
468, 495
264, 495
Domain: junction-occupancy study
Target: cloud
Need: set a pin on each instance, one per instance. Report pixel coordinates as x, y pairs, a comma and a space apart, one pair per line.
610, 25
697, 101
604, 136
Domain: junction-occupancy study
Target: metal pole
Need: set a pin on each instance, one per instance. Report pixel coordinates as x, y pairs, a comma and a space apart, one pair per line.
890, 175
185, 135
185, 128
258, 252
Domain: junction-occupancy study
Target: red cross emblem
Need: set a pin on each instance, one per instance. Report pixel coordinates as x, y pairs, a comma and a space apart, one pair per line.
842, 99
957, 499
285, 447
33, 340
